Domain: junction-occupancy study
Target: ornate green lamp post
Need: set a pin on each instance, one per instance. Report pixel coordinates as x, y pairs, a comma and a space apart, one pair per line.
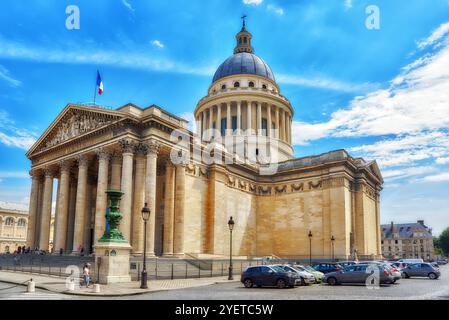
231, 227
113, 234
145, 216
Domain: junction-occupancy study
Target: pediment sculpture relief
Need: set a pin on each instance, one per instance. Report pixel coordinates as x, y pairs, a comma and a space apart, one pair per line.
77, 124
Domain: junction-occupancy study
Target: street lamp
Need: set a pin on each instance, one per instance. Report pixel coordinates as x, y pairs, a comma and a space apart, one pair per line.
145, 216
231, 227
333, 247
310, 247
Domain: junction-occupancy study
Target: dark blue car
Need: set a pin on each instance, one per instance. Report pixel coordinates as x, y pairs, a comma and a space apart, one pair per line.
269, 276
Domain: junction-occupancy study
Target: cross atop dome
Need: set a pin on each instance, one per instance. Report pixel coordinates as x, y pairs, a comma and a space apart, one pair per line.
244, 39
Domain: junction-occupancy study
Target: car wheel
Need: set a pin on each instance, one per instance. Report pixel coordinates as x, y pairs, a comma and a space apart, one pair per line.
281, 284
248, 283
405, 275
259, 286
332, 281
303, 282
432, 276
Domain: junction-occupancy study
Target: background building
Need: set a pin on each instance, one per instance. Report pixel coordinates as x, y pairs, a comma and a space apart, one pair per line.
13, 226
407, 241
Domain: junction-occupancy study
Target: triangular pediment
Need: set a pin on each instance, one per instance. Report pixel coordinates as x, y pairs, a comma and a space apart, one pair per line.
374, 168
73, 122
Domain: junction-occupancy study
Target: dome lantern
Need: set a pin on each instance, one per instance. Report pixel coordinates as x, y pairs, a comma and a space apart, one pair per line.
244, 40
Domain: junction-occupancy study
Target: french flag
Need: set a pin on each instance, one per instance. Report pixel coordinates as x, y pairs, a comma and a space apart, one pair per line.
99, 83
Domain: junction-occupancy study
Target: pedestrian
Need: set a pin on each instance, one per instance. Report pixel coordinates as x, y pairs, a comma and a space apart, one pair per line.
86, 270
82, 252
61, 251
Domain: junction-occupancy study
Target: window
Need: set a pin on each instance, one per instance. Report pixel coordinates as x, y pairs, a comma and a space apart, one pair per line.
396, 241
22, 223
9, 221
251, 84
264, 86
237, 84
234, 123
264, 269
223, 87
264, 126
224, 124
245, 40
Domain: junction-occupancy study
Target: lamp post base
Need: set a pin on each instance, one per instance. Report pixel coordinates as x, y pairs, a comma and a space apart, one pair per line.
144, 280
230, 275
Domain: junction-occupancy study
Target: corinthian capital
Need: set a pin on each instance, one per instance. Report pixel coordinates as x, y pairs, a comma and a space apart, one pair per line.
153, 146
65, 165
141, 149
83, 160
103, 154
127, 145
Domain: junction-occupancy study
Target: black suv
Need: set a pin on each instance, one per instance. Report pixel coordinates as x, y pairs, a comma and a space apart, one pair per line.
327, 267
269, 276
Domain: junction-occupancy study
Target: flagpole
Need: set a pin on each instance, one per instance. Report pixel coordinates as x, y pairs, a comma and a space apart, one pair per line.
95, 92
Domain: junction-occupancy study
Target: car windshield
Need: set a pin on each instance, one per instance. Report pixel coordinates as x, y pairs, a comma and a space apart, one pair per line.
278, 269
309, 268
300, 268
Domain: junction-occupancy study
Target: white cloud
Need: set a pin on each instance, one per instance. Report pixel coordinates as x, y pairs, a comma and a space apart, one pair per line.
395, 174
347, 4
252, 2
436, 35
12, 136
278, 10
83, 54
14, 174
442, 160
325, 83
413, 112
157, 43
128, 5
6, 76
437, 177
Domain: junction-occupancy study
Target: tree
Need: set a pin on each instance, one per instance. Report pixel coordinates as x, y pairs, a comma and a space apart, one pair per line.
443, 241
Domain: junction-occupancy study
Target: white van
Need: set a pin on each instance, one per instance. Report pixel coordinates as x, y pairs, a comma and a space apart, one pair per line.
411, 261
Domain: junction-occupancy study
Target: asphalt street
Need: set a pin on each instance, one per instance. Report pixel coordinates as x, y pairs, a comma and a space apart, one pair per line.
415, 288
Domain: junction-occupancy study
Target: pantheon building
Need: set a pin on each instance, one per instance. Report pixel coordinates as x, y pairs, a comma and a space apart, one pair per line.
328, 203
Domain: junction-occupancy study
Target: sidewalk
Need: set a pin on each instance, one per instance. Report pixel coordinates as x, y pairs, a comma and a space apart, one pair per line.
57, 285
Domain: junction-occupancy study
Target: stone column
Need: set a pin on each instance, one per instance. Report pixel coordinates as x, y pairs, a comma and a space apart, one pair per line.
211, 122
282, 125
32, 215
259, 118
276, 123
169, 208
178, 237
80, 207
269, 120
239, 117
249, 122
228, 119
116, 171
219, 119
55, 214
139, 200
203, 124
150, 191
127, 187
44, 238
63, 208
71, 216
101, 202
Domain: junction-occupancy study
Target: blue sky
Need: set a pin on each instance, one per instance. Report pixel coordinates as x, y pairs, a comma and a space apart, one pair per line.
381, 94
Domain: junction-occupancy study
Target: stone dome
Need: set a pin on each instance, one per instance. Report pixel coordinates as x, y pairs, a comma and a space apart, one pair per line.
244, 63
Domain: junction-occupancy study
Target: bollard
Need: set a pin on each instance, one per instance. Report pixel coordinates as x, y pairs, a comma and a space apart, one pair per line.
96, 288
31, 288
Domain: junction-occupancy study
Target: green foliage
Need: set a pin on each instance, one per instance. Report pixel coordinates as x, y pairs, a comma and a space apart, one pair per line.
443, 241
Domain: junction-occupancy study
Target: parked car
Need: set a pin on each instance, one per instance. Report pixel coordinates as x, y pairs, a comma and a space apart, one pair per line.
409, 261
441, 262
269, 276
399, 265
327, 267
305, 276
357, 274
421, 270
345, 264
317, 274
395, 272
